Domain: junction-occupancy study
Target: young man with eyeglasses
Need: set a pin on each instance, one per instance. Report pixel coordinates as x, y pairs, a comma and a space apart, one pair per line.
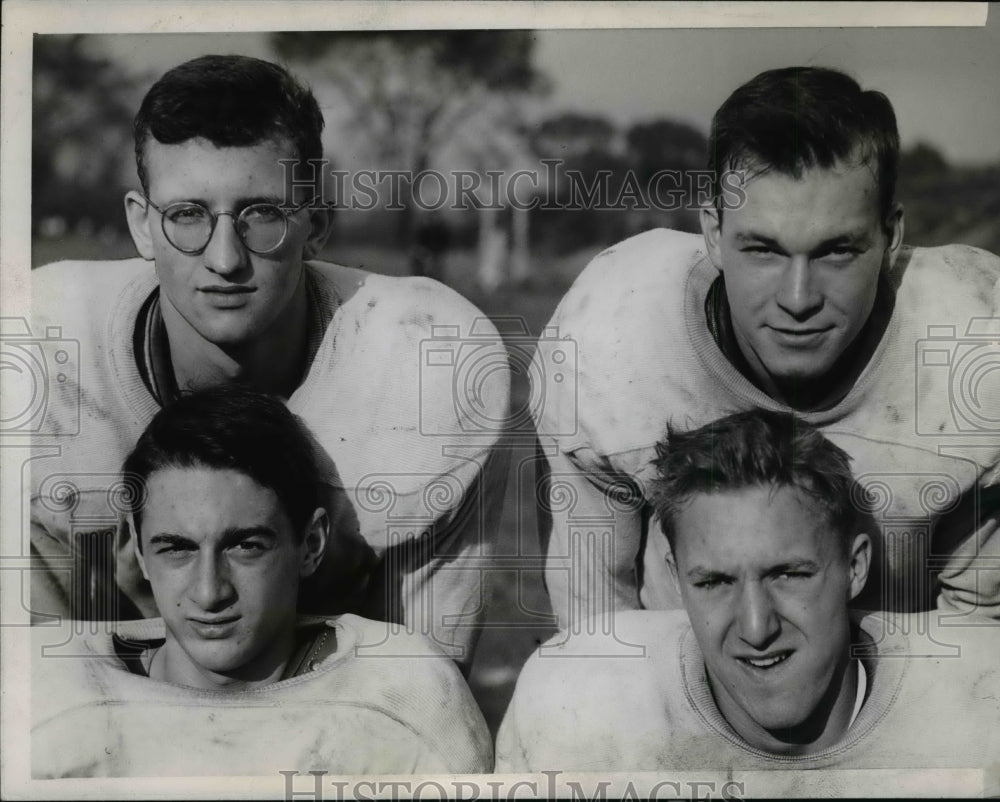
765, 669
223, 503
232, 293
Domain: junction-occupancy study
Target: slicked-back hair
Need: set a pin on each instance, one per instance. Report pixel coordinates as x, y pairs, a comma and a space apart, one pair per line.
229, 427
232, 101
797, 118
756, 449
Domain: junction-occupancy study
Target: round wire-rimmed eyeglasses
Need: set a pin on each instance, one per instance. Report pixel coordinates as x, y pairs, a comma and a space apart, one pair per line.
261, 227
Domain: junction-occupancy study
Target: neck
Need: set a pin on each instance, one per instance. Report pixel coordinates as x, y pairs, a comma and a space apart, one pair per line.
172, 664
810, 394
273, 362
824, 728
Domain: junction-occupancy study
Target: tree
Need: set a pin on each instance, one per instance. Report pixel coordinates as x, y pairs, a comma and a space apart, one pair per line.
81, 131
411, 92
665, 145
571, 135
920, 161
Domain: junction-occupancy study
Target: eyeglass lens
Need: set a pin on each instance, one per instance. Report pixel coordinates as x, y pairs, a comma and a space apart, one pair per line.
188, 226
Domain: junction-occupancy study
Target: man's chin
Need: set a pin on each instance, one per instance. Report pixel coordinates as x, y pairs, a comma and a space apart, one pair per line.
227, 339
221, 661
777, 718
801, 372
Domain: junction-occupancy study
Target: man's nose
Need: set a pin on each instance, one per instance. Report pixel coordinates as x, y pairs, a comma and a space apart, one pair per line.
798, 294
225, 253
758, 619
211, 588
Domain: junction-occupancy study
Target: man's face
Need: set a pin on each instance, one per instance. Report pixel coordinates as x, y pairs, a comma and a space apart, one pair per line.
766, 585
801, 259
228, 295
224, 565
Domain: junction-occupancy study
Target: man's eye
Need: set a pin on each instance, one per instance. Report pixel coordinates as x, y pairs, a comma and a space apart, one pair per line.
840, 254
188, 215
710, 584
794, 575
255, 215
250, 547
759, 250
174, 549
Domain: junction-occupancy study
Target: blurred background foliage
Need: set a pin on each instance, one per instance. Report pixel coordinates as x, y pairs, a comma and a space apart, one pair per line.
429, 100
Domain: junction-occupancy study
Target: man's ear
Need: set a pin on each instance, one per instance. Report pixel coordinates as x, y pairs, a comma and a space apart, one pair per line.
859, 561
134, 537
320, 226
314, 542
711, 229
894, 227
138, 216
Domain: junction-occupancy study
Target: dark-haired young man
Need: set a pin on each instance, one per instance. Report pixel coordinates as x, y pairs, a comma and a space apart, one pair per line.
231, 225
765, 668
800, 296
223, 500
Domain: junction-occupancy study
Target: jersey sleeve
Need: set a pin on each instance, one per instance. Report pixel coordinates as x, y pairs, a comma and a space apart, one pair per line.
591, 525
969, 581
413, 411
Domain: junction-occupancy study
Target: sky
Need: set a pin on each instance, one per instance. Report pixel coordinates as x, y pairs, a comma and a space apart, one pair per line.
942, 81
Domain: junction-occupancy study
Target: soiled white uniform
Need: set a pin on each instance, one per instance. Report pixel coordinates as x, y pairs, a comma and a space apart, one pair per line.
362, 710
921, 423
652, 709
410, 437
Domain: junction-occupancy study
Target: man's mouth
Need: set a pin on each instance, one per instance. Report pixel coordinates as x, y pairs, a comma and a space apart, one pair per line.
805, 338
801, 331
213, 627
766, 661
228, 290
227, 297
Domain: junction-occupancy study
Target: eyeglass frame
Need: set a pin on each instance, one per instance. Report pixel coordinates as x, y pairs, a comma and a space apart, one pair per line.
215, 219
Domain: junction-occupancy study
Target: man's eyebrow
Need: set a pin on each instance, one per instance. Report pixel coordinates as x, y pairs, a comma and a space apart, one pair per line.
235, 534
753, 236
240, 203
170, 539
701, 572
794, 565
847, 238
275, 200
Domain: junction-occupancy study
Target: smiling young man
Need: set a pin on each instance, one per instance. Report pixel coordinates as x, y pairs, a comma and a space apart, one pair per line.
222, 493
800, 296
765, 668
228, 222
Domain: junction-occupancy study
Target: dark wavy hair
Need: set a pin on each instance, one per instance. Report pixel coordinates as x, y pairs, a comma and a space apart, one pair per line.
751, 449
232, 101
796, 118
229, 427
